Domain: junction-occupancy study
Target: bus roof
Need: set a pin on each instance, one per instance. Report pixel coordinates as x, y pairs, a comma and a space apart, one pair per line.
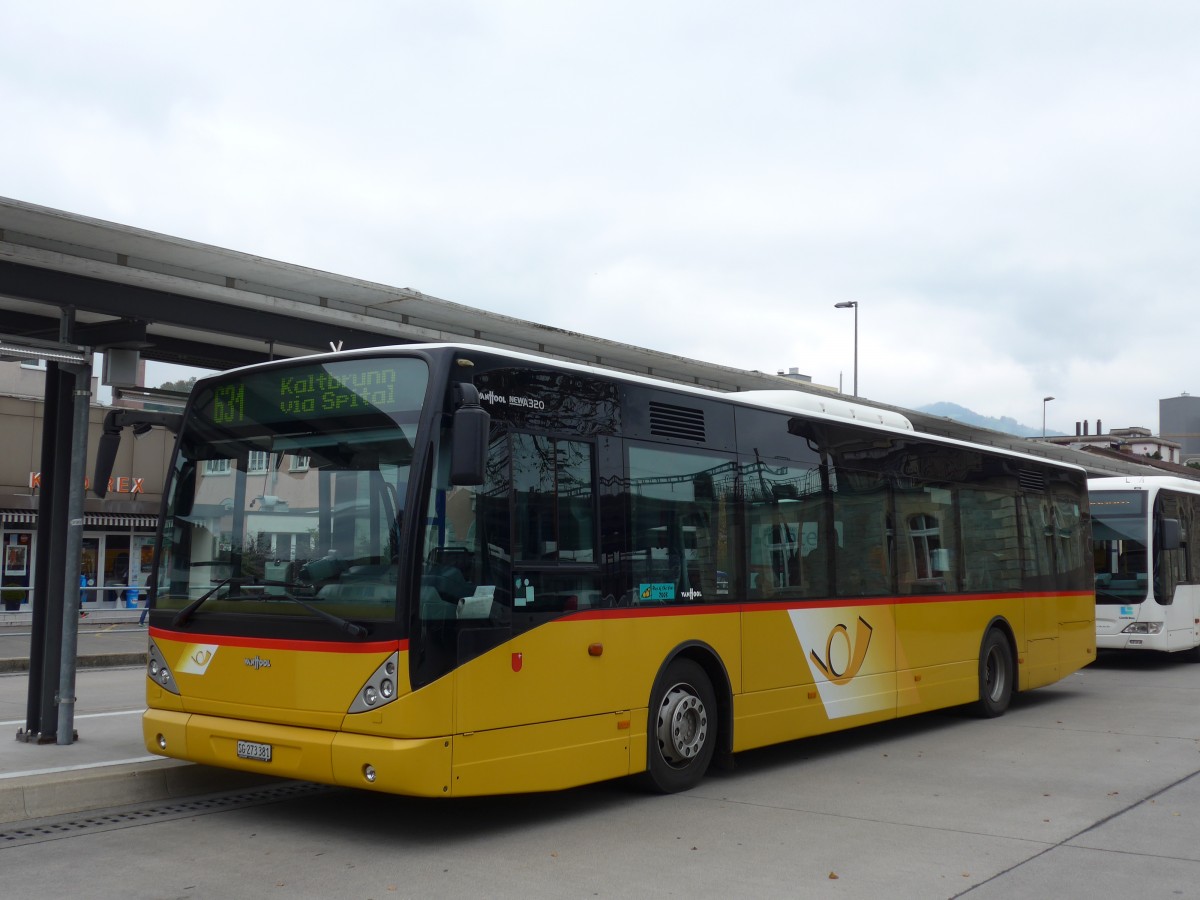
1144, 482
811, 403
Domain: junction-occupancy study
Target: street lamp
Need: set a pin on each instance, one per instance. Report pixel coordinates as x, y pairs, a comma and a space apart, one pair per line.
852, 304
1045, 400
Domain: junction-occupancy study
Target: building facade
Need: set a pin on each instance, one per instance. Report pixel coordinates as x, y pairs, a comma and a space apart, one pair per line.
1134, 441
118, 531
1179, 421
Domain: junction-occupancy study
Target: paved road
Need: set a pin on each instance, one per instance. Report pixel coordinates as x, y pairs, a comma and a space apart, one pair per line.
1089, 788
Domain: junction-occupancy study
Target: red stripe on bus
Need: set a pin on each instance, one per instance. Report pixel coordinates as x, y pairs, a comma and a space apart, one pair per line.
229, 640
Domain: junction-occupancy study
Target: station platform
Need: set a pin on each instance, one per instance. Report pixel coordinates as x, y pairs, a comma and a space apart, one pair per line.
107, 637
106, 765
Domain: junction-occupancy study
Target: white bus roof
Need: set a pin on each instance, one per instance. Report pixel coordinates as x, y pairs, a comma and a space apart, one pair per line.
1143, 482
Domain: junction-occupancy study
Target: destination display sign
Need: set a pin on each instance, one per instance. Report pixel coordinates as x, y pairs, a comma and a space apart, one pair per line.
1119, 503
345, 388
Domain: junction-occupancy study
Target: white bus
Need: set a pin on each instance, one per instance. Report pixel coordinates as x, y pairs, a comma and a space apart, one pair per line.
1147, 565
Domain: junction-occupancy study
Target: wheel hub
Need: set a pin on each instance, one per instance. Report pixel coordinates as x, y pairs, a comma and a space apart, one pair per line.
682, 725
994, 675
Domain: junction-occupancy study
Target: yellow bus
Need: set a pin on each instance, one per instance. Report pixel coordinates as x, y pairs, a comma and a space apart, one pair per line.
449, 570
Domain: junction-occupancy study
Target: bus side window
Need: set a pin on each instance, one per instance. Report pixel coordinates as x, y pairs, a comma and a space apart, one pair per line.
927, 547
554, 493
991, 553
681, 530
864, 566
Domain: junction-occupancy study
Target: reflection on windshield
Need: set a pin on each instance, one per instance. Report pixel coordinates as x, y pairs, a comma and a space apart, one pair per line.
1121, 565
287, 524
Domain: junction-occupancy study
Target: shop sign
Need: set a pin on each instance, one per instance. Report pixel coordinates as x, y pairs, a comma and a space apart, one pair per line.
124, 484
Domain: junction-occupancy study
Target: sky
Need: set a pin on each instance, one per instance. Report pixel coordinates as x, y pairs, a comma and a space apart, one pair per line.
1009, 191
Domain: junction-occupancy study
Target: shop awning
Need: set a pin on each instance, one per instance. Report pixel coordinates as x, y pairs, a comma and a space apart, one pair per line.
90, 520
127, 520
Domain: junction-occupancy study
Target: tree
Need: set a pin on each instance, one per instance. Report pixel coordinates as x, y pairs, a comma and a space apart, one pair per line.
183, 386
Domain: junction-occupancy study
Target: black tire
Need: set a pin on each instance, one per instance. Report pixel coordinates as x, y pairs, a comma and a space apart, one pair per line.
682, 728
996, 675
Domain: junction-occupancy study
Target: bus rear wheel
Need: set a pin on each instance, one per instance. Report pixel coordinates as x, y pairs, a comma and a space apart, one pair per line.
682, 728
996, 675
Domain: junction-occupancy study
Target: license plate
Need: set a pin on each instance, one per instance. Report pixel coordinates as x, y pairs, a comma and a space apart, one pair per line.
254, 750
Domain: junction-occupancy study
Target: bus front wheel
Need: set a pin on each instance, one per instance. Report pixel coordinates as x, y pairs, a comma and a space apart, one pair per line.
996, 675
682, 728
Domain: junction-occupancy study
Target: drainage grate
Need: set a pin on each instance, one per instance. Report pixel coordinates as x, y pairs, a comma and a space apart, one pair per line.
52, 829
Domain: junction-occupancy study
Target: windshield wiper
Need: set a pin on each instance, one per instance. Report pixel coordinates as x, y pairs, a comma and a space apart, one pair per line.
352, 629
185, 614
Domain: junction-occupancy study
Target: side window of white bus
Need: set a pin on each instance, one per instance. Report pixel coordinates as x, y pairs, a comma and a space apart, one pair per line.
1170, 568
1191, 548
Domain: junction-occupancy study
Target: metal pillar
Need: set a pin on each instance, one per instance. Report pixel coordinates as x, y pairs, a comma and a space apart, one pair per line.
81, 394
46, 631
64, 446
45, 660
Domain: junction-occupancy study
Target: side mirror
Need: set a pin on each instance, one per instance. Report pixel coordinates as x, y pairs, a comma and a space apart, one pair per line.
106, 455
110, 440
469, 439
1171, 535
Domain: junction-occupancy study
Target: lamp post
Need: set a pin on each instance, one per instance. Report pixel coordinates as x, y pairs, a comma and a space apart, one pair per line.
1045, 400
852, 304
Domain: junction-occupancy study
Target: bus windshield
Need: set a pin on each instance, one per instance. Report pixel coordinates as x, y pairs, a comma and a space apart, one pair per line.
287, 494
1119, 545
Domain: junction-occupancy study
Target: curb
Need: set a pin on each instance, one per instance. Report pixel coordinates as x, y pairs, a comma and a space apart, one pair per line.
59, 794
92, 661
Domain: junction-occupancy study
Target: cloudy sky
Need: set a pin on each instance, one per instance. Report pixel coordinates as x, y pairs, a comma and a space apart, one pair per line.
1008, 190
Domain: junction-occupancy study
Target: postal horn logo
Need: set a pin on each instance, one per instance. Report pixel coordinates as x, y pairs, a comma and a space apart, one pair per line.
840, 650
195, 658
201, 656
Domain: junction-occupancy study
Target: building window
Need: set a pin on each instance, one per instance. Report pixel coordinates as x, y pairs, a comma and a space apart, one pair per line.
216, 467
926, 532
298, 464
257, 464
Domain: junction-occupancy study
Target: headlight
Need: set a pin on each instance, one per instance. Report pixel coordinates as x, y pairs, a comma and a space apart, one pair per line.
1143, 628
380, 689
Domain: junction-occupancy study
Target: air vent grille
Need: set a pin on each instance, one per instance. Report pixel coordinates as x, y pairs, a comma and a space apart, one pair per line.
1031, 481
676, 421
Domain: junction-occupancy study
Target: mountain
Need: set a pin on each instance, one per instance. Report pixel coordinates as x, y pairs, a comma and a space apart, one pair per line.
966, 416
